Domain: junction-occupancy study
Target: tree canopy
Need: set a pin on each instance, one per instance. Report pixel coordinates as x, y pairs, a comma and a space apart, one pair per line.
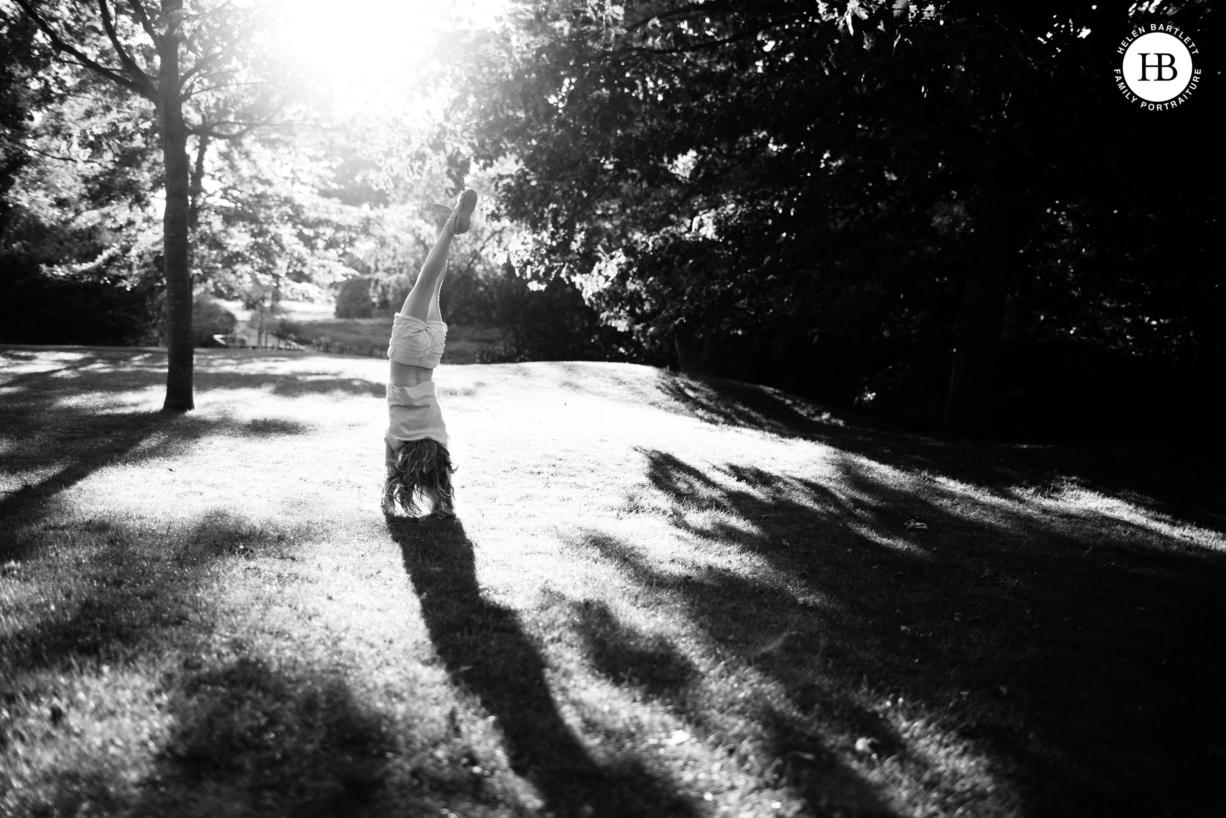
787, 181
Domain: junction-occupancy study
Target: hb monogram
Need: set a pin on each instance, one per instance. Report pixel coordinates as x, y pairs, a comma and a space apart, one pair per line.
1160, 65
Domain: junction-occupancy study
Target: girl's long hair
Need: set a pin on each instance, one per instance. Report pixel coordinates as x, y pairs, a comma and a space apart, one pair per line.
420, 467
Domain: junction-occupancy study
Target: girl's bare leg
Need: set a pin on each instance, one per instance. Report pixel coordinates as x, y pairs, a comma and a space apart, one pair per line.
436, 314
422, 302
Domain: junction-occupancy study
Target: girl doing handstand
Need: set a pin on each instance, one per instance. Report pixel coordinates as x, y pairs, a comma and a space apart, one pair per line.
418, 463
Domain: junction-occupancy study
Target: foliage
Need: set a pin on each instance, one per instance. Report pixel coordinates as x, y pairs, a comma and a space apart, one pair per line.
353, 299
92, 306
20, 94
271, 218
552, 323
84, 198
732, 180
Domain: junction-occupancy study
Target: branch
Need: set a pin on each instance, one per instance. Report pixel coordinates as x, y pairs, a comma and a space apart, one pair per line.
208, 60
194, 86
204, 89
201, 65
211, 132
702, 46
704, 9
125, 59
59, 45
31, 149
138, 11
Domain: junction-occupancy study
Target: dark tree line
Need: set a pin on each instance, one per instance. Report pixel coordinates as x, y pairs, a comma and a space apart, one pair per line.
859, 198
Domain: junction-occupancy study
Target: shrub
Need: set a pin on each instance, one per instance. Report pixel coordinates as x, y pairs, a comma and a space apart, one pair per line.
208, 319
553, 324
102, 309
354, 299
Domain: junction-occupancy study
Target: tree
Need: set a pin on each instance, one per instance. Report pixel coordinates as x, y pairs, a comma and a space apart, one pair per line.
79, 233
268, 225
195, 61
723, 175
19, 93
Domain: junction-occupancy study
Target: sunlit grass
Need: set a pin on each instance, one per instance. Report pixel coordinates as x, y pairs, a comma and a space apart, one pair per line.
663, 596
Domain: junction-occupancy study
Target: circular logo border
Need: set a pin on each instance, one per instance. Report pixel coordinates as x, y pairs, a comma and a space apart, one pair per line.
1122, 84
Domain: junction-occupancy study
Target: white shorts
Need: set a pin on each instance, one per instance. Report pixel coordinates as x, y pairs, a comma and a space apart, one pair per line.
416, 342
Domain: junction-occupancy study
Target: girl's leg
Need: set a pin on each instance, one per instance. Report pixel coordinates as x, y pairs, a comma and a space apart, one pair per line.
422, 302
436, 314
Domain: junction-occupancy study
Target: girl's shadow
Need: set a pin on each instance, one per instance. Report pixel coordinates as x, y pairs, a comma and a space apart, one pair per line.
487, 652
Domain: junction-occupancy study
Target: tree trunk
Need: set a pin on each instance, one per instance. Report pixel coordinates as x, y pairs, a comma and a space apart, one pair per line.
971, 404
196, 191
175, 224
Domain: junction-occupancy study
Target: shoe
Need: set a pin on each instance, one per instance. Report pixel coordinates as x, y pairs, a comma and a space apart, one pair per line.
464, 211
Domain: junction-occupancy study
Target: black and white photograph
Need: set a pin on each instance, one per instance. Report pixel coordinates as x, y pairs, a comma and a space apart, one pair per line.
612, 409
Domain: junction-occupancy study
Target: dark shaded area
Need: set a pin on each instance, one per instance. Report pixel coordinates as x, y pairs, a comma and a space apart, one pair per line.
282, 742
803, 760
552, 323
1171, 478
1072, 649
724, 402
976, 198
628, 657
487, 652
128, 603
86, 309
135, 598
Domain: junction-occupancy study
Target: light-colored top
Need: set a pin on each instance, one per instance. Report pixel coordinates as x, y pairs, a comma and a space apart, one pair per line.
413, 414
416, 342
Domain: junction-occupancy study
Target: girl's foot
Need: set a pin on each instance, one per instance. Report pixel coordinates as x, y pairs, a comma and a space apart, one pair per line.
439, 213
464, 210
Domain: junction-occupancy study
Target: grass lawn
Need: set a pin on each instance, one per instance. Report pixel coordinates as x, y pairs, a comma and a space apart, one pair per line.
662, 597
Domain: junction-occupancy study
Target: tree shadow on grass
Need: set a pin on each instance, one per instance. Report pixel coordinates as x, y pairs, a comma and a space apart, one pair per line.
628, 657
128, 595
272, 741
118, 623
59, 441
758, 625
487, 653
1175, 478
128, 696
1075, 659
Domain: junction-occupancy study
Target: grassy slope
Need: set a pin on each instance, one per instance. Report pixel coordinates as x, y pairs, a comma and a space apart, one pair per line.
662, 597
